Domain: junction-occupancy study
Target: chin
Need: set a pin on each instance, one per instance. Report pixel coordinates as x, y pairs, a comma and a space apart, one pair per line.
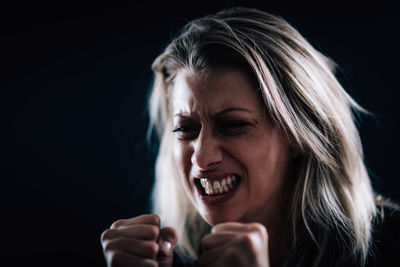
215, 217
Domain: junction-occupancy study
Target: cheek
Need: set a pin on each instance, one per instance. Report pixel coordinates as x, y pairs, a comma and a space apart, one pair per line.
271, 165
266, 157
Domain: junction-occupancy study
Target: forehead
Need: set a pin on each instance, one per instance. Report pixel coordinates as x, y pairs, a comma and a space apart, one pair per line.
214, 90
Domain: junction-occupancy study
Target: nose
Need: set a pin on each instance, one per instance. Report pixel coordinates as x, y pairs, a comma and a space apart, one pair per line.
207, 152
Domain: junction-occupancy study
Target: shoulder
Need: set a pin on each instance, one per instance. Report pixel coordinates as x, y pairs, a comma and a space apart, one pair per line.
385, 243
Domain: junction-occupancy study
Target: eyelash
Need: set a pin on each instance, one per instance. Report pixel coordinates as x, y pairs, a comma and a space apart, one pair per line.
236, 124
222, 129
182, 129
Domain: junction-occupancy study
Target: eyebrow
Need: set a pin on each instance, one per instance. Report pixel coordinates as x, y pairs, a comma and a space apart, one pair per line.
219, 113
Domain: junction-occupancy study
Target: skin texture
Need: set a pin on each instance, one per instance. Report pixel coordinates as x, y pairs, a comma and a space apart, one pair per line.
220, 128
257, 151
138, 241
235, 244
207, 143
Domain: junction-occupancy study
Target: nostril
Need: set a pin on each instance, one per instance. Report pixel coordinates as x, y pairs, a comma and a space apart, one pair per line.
206, 152
206, 161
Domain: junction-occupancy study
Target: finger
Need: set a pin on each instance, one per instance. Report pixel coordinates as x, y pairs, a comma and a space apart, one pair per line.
140, 248
140, 231
152, 219
233, 226
221, 256
167, 242
167, 235
124, 259
243, 240
241, 227
212, 241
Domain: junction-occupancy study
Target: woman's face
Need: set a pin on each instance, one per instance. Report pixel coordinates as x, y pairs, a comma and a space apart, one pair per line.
233, 162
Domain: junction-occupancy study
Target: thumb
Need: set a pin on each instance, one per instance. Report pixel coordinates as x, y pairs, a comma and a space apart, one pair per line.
167, 241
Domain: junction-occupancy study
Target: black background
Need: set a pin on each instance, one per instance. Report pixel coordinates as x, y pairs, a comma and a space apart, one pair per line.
74, 81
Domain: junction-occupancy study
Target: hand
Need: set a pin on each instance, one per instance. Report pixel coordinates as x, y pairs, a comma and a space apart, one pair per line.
236, 244
138, 242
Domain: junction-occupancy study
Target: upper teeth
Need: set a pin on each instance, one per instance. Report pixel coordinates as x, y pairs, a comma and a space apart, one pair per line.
217, 187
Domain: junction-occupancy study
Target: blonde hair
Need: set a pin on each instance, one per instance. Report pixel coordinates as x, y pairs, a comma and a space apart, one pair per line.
333, 202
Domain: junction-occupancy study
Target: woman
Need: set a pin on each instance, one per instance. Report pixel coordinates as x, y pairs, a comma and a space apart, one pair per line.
260, 162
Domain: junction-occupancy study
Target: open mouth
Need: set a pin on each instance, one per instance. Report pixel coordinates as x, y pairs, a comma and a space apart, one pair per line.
220, 186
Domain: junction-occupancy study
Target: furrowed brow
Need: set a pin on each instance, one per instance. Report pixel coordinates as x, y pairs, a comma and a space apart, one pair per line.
227, 110
181, 116
217, 114
184, 117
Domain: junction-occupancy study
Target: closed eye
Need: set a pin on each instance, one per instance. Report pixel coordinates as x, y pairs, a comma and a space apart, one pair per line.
190, 131
234, 124
232, 127
186, 132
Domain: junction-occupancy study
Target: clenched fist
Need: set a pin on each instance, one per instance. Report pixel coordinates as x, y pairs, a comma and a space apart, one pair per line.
236, 244
138, 241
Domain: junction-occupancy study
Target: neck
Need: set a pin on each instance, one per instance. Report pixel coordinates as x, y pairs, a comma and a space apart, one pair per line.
277, 236
279, 228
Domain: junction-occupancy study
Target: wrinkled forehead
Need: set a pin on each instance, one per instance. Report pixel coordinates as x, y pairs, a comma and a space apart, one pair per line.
213, 90
189, 83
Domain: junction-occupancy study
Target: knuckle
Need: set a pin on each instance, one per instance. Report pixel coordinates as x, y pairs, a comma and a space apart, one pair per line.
246, 240
153, 219
152, 249
109, 245
258, 227
207, 241
153, 232
106, 235
117, 224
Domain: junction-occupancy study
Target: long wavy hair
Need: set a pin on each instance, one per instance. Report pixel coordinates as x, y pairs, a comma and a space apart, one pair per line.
332, 205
